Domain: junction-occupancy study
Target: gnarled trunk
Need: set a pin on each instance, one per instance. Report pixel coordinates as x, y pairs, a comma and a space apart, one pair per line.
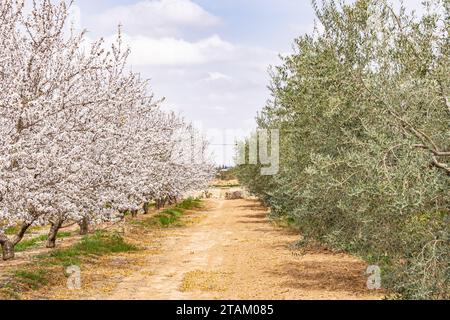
55, 226
84, 226
7, 249
9, 244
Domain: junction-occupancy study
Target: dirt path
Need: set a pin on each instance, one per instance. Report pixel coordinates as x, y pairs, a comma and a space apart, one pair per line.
227, 250
236, 253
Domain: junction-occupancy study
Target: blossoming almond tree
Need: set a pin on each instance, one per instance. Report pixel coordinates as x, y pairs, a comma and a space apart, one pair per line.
40, 77
81, 138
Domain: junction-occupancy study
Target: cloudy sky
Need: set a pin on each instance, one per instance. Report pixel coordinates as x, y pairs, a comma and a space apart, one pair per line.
208, 58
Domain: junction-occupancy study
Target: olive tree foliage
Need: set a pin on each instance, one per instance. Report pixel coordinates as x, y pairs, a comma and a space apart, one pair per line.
364, 117
81, 138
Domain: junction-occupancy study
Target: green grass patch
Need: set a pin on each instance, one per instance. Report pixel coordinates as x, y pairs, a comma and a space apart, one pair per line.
32, 278
173, 212
189, 204
170, 217
26, 278
11, 230
100, 243
64, 234
34, 242
29, 243
164, 219
47, 269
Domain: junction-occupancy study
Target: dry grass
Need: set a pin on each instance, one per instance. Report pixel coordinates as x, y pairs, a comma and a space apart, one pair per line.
206, 281
103, 267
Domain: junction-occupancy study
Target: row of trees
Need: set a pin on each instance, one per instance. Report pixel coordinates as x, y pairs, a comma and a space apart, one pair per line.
364, 119
81, 138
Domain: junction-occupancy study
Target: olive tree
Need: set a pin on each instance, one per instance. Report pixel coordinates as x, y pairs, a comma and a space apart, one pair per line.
363, 113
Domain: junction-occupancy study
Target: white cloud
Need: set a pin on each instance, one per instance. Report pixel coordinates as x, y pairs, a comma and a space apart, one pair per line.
214, 76
204, 77
149, 51
154, 17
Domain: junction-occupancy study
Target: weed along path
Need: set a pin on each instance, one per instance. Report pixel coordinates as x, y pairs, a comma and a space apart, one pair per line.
229, 250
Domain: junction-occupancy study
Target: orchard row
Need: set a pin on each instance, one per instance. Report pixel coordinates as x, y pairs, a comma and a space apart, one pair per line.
82, 139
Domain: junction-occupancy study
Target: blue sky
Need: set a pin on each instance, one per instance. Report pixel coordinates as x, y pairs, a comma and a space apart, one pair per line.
208, 58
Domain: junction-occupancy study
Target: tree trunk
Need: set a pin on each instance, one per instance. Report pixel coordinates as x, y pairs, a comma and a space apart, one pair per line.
134, 213
55, 226
147, 208
9, 244
7, 249
172, 200
84, 226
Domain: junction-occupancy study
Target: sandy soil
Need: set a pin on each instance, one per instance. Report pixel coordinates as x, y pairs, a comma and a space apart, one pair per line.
233, 252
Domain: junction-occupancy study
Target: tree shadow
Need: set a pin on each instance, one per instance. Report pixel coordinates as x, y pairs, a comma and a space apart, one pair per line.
341, 276
252, 221
261, 215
